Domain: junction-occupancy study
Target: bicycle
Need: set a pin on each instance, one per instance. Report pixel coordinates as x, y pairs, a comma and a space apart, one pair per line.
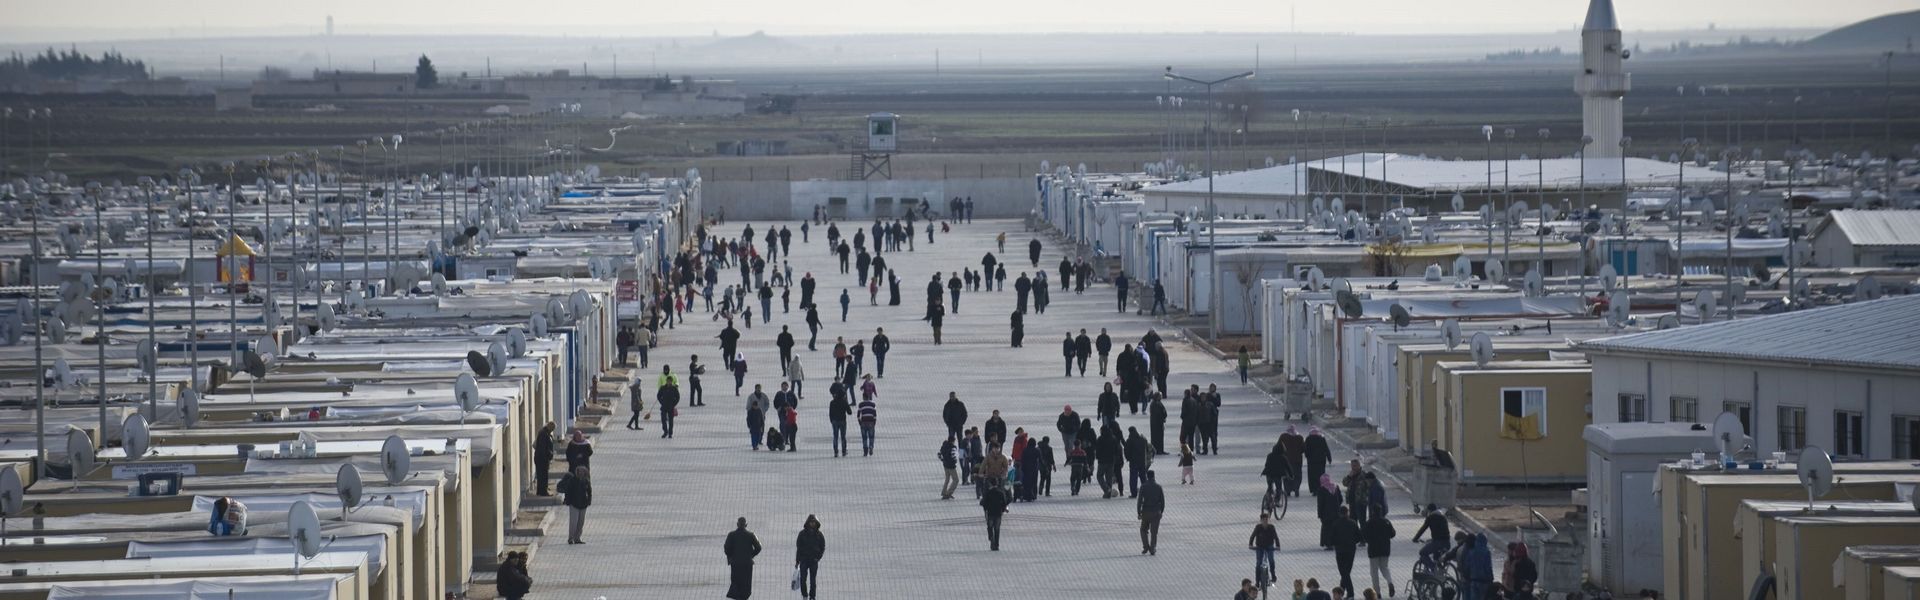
1262, 574
1274, 504
1433, 582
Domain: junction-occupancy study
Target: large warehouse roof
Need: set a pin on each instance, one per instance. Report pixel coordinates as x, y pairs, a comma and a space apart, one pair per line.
1283, 180
1876, 227
1880, 334
1520, 174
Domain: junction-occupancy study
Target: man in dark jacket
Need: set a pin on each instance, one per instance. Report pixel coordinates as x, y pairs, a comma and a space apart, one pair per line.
1066, 273
1120, 285
881, 345
994, 504
950, 461
784, 342
741, 547
1110, 452
953, 292
954, 413
1108, 407
1103, 345
1069, 426
1082, 349
577, 492
808, 547
1157, 355
1019, 328
1276, 470
729, 338
669, 400
1066, 352
1344, 535
986, 264
1294, 447
837, 410
1150, 504
1190, 421
996, 429
511, 578
858, 357
1138, 452
543, 456
1033, 252
1317, 454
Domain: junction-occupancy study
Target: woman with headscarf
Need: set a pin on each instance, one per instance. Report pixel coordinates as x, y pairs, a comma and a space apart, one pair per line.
1315, 450
579, 451
1294, 447
1030, 470
1478, 576
893, 289
1520, 573
1327, 500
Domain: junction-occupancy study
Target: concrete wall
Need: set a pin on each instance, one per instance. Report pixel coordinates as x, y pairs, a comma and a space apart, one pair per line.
862, 200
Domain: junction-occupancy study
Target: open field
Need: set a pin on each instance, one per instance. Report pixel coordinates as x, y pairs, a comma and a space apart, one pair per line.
994, 120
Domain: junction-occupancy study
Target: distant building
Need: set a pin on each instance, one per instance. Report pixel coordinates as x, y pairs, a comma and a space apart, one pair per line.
1867, 238
339, 83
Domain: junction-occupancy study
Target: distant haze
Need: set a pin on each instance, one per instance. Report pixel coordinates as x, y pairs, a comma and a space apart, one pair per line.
51, 21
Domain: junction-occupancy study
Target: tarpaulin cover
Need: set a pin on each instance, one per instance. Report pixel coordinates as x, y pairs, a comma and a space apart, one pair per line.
317, 588
375, 547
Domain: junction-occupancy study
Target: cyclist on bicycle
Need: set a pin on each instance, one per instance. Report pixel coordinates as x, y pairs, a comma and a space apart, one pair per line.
1264, 542
1277, 469
1437, 524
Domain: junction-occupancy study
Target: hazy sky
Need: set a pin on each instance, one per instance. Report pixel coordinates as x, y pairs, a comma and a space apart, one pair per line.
186, 18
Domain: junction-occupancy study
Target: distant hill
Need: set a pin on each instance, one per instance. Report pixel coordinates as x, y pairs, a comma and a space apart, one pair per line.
1886, 32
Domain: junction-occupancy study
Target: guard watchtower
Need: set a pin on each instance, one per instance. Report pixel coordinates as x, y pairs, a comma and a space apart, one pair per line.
876, 158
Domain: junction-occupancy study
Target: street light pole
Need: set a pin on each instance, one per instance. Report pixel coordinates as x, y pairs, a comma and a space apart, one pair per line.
1680, 225
1213, 248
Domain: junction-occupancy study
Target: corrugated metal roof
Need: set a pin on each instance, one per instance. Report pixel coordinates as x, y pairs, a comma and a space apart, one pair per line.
1283, 180
1878, 334
1518, 173
1878, 227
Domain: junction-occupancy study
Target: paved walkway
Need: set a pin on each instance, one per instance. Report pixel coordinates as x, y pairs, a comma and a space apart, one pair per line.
663, 507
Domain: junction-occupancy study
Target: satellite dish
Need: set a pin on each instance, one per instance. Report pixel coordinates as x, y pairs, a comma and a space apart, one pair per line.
148, 356
63, 376
1737, 294
1516, 210
1729, 434
253, 365
466, 391
556, 311
57, 329
80, 455
1618, 314
1816, 473
1462, 269
497, 357
1867, 289
1349, 303
1316, 279
478, 362
1668, 322
1400, 316
1609, 279
579, 304
516, 342
1486, 215
395, 463
1434, 274
190, 406
1496, 272
303, 529
135, 438
1459, 203
538, 325
439, 284
1450, 331
1481, 348
12, 493
1704, 303
347, 486
326, 317
1535, 284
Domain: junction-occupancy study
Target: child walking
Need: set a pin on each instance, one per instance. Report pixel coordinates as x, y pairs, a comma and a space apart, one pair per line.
1186, 465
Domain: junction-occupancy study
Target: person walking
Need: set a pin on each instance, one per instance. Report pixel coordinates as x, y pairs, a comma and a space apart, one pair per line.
986, 269
954, 414
790, 428
1108, 406
756, 416
741, 546
695, 395
1275, 469
729, 339
642, 340
1066, 353
996, 429
579, 451
1150, 503
1317, 454
881, 345
1029, 460
1045, 470
784, 342
543, 456
949, 456
813, 327
1378, 533
808, 547
1022, 289
797, 377
1159, 299
994, 504
1033, 252
1103, 345
837, 410
1137, 453
577, 492
869, 415
1068, 424
1000, 277
1157, 422
739, 372
1245, 364
1210, 418
1186, 466
953, 291
668, 397
624, 340
1120, 285
1345, 537
846, 302
1079, 466
1293, 448
1019, 328
939, 320
1110, 452
1082, 349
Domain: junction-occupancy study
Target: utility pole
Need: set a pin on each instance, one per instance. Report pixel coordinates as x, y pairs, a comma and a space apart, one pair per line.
1213, 248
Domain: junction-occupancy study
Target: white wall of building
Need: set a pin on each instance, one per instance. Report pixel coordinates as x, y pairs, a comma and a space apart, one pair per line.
1879, 396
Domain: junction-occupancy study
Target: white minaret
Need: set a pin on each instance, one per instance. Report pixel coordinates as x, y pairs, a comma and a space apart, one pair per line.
1603, 81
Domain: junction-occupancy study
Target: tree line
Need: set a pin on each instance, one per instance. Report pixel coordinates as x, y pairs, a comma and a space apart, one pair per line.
72, 64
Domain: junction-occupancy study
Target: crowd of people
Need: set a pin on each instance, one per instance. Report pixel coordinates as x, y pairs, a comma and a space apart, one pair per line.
1004, 463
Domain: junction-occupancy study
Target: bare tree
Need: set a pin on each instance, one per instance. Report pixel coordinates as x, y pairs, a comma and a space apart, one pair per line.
1386, 257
